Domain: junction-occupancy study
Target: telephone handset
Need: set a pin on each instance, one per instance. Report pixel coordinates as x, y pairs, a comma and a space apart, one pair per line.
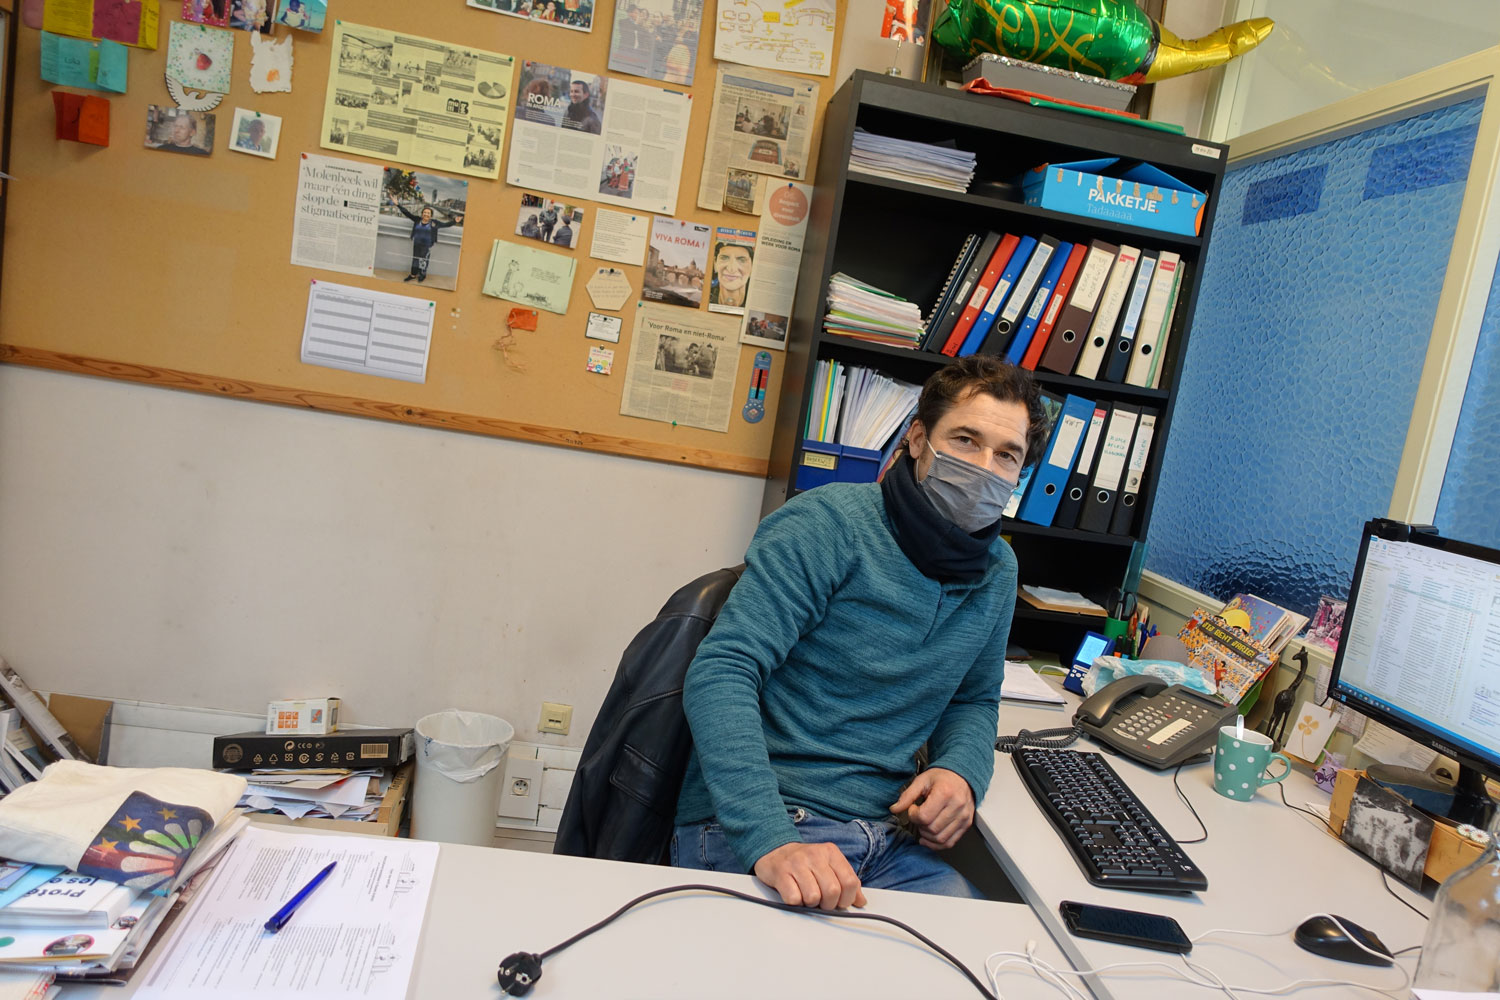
1144, 719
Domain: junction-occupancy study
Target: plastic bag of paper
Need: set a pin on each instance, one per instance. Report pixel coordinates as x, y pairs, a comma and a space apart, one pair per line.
463, 746
1112, 668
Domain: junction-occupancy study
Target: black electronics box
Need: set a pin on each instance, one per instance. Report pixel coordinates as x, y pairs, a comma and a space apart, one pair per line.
345, 748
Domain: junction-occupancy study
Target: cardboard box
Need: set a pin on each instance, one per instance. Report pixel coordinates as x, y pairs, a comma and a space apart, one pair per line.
1447, 852
1136, 194
303, 717
387, 819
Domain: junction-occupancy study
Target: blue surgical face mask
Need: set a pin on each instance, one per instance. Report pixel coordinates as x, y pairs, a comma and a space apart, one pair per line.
966, 494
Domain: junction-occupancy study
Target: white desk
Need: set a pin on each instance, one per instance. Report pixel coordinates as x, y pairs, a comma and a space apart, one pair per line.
488, 903
1268, 867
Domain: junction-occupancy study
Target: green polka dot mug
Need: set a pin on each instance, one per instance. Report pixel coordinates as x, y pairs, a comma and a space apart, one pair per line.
1241, 762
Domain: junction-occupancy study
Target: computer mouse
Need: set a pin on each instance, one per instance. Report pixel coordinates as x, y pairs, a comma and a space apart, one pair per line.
1323, 935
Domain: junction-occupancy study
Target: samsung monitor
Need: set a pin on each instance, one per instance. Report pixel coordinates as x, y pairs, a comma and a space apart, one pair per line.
1420, 649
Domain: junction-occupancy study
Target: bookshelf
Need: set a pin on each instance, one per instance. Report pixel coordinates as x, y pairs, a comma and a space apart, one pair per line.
902, 237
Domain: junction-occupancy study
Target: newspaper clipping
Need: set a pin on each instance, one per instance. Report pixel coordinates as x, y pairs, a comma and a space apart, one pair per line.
761, 123
416, 100
732, 258
778, 255
677, 263
682, 368
795, 36
586, 136
382, 222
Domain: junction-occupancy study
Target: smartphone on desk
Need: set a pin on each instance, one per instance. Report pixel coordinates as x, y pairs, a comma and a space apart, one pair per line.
1107, 923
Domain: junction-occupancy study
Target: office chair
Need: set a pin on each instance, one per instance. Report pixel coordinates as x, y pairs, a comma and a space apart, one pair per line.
624, 793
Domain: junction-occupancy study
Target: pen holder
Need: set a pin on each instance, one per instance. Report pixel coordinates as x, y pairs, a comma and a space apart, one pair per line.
1115, 629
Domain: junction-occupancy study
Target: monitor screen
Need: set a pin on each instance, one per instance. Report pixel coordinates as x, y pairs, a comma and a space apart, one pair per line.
1420, 649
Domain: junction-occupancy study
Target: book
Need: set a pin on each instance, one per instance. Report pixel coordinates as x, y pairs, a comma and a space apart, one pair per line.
1078, 480
1044, 329
1073, 324
1120, 346
992, 271
1038, 305
1230, 661
69, 899
1066, 601
1122, 519
1040, 505
984, 323
1157, 366
1154, 316
1010, 314
1270, 625
1091, 355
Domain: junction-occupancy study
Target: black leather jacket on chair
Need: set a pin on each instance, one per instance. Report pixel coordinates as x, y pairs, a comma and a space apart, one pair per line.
624, 794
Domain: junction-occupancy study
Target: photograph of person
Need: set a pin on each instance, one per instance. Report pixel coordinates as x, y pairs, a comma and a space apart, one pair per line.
575, 14
177, 130
581, 104
420, 232
251, 15
254, 133
549, 221
657, 39
730, 263
214, 12
304, 15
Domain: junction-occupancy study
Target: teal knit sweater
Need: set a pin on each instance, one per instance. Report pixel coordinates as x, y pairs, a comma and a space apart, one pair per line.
833, 660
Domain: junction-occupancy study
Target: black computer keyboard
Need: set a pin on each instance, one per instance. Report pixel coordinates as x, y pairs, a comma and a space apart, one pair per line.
1117, 843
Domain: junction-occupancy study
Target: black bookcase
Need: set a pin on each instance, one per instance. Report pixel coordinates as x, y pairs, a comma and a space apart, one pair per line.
903, 237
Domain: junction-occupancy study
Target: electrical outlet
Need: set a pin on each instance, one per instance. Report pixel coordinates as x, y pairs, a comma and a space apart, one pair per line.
555, 718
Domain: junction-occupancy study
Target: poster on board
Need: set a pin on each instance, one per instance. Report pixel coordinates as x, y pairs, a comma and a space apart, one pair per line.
657, 39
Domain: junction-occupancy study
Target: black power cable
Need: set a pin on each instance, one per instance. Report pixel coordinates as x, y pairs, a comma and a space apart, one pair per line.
520, 972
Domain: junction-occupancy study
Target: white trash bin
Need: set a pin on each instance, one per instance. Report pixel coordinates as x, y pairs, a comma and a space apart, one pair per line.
458, 776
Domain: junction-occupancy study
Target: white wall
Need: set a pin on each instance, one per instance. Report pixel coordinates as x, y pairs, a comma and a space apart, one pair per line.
170, 547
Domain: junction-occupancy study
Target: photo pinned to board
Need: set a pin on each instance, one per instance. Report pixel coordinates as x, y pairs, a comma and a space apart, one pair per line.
421, 227
214, 12
254, 133
618, 174
200, 58
559, 97
304, 15
251, 15
178, 130
731, 261
549, 221
271, 65
657, 39
575, 14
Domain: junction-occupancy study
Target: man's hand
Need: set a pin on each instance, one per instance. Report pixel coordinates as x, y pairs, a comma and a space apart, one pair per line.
940, 804
811, 875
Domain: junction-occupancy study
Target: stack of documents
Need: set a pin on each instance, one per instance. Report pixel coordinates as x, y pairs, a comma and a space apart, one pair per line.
322, 793
64, 925
858, 407
865, 312
913, 162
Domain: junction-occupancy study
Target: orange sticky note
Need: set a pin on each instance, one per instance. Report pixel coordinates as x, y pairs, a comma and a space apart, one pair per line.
521, 319
81, 117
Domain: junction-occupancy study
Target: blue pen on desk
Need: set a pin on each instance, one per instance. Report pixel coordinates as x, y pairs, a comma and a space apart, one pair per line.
284, 914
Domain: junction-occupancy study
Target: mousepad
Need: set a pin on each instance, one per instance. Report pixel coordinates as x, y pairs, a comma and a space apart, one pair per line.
1389, 831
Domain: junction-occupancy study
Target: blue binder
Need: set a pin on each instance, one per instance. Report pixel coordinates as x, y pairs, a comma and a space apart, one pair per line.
1038, 306
1039, 505
1003, 285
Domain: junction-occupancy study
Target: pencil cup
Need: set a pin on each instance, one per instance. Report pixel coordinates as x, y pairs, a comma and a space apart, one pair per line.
1240, 763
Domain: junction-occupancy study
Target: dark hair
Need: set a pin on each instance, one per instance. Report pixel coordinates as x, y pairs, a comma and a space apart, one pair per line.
579, 83
977, 373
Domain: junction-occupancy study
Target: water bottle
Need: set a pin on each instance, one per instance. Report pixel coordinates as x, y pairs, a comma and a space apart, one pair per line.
1462, 947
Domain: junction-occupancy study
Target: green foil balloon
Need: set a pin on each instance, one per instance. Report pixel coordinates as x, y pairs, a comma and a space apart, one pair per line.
1113, 39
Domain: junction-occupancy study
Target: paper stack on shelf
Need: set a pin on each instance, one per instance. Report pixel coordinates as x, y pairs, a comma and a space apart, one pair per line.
913, 162
862, 311
874, 407
327, 793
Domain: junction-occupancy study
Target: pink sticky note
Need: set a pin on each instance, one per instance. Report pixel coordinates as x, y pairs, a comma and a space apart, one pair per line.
118, 20
32, 12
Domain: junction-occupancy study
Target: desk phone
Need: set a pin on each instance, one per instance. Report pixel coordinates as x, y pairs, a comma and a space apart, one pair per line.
1149, 722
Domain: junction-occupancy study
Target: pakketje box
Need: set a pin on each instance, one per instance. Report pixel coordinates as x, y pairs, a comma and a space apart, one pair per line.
1136, 194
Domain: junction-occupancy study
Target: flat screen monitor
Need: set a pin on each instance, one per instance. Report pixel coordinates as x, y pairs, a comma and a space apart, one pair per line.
1420, 648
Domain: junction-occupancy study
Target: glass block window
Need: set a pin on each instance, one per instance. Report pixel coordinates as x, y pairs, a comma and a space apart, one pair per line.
1317, 302
1469, 505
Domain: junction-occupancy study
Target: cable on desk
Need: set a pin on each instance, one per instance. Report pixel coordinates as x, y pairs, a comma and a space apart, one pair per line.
1384, 880
520, 971
1183, 796
1040, 739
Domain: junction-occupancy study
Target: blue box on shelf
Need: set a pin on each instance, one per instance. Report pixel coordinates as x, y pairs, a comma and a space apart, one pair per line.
820, 464
1136, 194
859, 465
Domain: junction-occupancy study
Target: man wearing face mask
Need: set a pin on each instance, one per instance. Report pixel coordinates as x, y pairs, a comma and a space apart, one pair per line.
871, 619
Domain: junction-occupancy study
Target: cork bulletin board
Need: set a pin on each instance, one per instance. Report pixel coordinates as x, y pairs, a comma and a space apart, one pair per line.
167, 270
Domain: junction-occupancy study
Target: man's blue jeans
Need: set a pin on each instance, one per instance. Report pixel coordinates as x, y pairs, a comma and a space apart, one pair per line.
882, 855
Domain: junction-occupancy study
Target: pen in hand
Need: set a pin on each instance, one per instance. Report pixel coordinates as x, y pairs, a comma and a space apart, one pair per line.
284, 914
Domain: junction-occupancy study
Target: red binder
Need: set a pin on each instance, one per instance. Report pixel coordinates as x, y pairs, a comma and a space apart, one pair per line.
992, 270
1054, 307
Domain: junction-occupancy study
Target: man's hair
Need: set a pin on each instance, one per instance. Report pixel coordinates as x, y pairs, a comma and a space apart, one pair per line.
982, 373
580, 83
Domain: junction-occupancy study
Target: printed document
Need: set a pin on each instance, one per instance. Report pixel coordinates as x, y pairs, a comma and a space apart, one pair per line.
682, 367
417, 100
761, 123
374, 333
791, 35
356, 936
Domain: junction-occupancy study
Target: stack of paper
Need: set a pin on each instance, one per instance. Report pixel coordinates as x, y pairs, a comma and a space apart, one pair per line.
333, 793
912, 162
863, 311
858, 407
